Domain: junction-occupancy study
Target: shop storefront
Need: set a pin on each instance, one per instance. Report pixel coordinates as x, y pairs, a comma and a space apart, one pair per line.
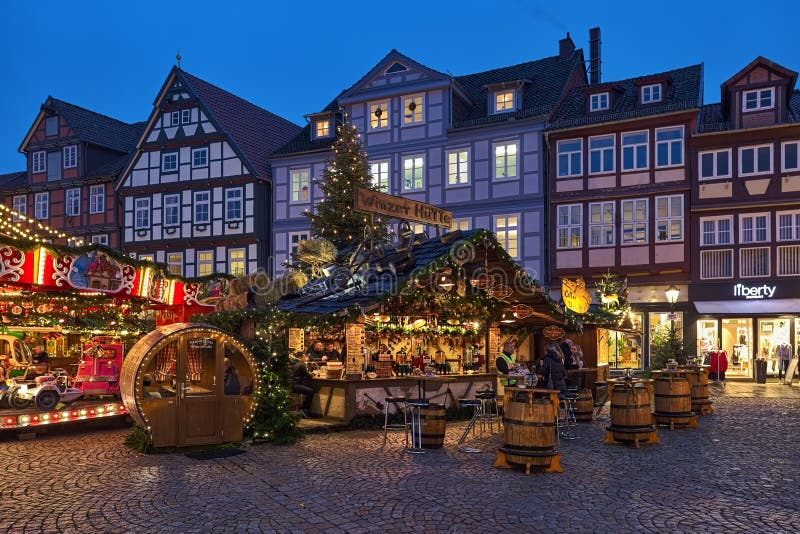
748, 321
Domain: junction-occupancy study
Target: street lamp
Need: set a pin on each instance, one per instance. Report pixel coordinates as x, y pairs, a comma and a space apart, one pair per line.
672, 293
672, 296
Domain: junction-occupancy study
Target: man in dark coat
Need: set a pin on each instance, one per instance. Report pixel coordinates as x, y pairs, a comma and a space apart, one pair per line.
300, 379
553, 372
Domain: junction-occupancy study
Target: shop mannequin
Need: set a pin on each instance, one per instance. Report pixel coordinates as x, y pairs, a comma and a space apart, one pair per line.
783, 353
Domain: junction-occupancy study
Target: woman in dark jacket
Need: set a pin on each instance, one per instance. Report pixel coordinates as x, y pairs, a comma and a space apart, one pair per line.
553, 372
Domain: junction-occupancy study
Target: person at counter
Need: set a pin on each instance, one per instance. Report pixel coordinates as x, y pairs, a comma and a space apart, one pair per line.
331, 353
300, 379
553, 371
506, 363
317, 352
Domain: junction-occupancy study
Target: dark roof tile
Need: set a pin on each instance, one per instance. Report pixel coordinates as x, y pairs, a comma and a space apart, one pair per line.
96, 128
13, 180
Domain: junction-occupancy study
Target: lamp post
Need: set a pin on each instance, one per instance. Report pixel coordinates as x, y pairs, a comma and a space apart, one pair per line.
672, 293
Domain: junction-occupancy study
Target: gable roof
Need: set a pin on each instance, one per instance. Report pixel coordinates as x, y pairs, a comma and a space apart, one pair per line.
761, 60
255, 131
90, 126
683, 91
543, 86
713, 119
13, 180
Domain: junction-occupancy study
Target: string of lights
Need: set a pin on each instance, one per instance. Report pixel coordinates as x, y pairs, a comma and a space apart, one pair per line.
16, 225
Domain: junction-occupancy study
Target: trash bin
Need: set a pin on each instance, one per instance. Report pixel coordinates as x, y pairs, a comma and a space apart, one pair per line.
761, 371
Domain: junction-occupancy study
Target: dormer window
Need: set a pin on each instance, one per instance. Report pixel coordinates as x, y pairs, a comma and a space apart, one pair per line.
651, 93
758, 99
322, 128
379, 115
598, 102
504, 101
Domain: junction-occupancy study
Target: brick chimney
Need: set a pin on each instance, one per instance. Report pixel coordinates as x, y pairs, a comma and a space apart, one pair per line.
565, 47
594, 56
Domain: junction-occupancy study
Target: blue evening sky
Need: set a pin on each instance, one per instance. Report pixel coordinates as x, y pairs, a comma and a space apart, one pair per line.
293, 57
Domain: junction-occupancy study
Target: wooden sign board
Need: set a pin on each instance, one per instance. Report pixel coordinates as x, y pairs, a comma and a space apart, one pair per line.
296, 340
790, 370
354, 345
574, 295
493, 350
401, 208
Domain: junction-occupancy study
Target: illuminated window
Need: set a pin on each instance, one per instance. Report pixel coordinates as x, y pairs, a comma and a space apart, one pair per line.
634, 221
503, 101
458, 167
412, 109
205, 262
601, 224
413, 173
379, 115
380, 174
322, 127
669, 218
236, 262
146, 257
300, 184
175, 263
570, 226
505, 160
506, 228
460, 224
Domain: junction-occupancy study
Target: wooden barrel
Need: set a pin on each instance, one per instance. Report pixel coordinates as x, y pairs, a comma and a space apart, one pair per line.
672, 399
584, 406
631, 419
529, 428
433, 426
698, 381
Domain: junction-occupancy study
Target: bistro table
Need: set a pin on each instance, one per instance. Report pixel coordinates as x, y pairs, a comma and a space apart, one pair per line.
432, 378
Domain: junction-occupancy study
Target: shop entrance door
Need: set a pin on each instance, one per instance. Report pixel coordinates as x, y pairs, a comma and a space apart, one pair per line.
199, 390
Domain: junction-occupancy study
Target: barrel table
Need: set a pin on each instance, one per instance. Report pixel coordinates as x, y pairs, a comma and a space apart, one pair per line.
529, 430
433, 426
631, 420
673, 399
697, 375
584, 406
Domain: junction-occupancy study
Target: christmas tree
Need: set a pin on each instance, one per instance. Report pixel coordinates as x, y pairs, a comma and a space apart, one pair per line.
335, 219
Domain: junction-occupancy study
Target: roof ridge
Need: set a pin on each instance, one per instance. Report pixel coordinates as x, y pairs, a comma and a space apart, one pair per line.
497, 69
651, 75
87, 110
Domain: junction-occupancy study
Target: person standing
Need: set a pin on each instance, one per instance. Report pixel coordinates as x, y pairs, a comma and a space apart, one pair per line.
506, 363
553, 371
300, 380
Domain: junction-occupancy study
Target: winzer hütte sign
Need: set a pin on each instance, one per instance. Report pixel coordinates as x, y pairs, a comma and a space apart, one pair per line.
401, 208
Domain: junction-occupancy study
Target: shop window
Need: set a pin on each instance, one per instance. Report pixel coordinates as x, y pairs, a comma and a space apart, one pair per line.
622, 350
773, 336
737, 342
660, 325
707, 337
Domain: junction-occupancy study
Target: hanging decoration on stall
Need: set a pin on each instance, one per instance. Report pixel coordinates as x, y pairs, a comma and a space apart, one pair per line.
575, 296
522, 311
354, 343
296, 341
553, 332
612, 291
11, 260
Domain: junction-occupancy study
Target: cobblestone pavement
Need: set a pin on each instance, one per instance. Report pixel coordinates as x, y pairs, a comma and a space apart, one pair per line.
739, 472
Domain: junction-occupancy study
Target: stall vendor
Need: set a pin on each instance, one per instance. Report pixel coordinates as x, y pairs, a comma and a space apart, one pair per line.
331, 353
317, 352
506, 363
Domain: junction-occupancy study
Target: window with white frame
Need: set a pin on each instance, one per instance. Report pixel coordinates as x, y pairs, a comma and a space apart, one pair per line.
789, 156
505, 160
506, 228
669, 146
301, 183
39, 162
379, 170
233, 204
461, 224
97, 198
601, 224
175, 263
458, 167
186, 116
20, 206
570, 157
199, 157
73, 202
322, 128
205, 262
504, 101
294, 240
634, 221
758, 99
141, 214
570, 225
651, 93
236, 265
715, 164
100, 239
41, 206
598, 102
412, 109
413, 173
755, 160
169, 162
601, 154
669, 218
172, 210
175, 118
716, 231
70, 156
754, 228
788, 223
379, 115
202, 207
635, 147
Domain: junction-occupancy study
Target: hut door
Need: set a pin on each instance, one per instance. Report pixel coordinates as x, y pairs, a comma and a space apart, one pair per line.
199, 390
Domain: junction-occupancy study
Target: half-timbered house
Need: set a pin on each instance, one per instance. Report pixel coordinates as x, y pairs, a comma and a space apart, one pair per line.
618, 182
196, 194
471, 144
746, 218
73, 156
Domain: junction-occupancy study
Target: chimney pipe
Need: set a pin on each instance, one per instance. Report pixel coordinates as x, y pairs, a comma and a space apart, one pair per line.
594, 56
565, 47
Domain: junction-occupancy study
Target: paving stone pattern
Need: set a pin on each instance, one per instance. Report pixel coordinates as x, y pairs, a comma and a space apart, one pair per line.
739, 472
